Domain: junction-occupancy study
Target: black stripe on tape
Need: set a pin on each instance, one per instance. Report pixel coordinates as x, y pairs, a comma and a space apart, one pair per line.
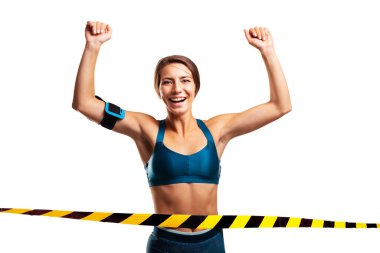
281, 222
37, 212
254, 222
371, 225
306, 223
155, 219
193, 221
116, 217
350, 225
77, 215
328, 224
225, 221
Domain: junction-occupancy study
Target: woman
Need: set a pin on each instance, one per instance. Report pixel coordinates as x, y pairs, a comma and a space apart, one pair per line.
182, 154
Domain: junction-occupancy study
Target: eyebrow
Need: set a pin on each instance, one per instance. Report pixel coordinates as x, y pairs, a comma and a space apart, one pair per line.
179, 77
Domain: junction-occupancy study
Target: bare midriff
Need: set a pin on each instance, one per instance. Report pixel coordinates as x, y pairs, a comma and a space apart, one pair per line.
185, 198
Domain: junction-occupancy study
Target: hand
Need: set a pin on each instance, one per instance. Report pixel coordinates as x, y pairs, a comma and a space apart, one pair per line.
97, 32
260, 38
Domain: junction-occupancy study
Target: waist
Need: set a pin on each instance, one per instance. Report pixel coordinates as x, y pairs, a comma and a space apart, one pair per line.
182, 179
187, 237
185, 199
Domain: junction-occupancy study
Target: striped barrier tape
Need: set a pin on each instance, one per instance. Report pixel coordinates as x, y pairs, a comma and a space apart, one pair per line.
193, 221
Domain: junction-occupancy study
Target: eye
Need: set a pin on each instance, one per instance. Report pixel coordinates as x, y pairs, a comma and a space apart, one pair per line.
165, 82
186, 80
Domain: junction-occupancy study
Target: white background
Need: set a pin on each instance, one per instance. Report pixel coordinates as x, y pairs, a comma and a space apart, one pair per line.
319, 161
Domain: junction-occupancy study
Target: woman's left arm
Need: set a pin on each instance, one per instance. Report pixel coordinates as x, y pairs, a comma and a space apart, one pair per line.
235, 124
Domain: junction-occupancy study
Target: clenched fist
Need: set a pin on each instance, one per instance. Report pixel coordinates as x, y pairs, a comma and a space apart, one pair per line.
97, 32
260, 38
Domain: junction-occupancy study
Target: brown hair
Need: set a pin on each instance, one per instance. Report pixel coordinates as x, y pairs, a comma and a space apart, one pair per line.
176, 59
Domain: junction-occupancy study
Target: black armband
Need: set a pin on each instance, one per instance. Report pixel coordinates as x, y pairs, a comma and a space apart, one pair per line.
112, 113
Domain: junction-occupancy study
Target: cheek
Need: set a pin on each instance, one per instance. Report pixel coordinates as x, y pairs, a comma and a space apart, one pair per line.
191, 90
162, 91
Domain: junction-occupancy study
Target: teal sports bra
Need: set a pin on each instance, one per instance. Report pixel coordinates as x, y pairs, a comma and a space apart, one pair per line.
166, 166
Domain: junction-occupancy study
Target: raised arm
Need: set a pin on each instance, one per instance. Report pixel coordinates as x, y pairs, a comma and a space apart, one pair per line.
84, 99
235, 124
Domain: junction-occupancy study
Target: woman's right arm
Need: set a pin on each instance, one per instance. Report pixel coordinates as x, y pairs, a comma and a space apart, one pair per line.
134, 124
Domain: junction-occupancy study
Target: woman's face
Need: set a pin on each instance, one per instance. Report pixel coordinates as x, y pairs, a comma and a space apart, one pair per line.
177, 88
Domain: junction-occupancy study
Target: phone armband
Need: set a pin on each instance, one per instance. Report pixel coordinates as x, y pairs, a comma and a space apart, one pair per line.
112, 113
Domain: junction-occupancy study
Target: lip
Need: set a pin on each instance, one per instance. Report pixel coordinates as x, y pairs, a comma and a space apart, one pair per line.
176, 104
170, 98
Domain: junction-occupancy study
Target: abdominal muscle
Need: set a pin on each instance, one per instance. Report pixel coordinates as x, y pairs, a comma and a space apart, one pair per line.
185, 198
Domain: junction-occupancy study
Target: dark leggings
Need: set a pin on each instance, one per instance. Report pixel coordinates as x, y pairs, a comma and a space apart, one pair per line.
164, 241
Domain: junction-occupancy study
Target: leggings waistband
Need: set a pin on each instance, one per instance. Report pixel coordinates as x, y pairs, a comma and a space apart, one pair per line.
179, 237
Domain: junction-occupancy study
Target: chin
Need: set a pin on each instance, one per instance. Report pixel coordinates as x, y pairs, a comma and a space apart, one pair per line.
177, 111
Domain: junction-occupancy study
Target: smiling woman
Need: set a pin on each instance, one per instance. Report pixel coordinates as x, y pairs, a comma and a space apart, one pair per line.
181, 153
192, 71
177, 88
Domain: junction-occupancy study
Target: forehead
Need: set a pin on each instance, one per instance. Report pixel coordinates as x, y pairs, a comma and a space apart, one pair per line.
175, 70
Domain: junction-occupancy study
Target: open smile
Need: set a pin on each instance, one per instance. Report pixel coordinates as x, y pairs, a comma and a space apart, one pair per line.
177, 100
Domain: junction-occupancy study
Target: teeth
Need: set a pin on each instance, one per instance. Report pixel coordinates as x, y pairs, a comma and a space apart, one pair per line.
177, 99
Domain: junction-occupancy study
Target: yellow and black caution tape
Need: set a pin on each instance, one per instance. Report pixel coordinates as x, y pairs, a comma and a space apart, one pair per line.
193, 221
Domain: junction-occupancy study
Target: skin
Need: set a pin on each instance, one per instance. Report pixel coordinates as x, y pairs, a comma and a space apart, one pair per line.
182, 133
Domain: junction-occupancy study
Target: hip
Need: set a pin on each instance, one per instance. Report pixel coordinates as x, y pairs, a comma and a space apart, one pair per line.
169, 240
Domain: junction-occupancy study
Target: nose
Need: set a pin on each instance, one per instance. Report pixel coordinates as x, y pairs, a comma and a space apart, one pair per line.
177, 86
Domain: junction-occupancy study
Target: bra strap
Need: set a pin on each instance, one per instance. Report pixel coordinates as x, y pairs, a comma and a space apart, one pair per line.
205, 130
161, 131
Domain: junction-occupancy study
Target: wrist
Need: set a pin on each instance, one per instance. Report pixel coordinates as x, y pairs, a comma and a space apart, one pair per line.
268, 52
93, 46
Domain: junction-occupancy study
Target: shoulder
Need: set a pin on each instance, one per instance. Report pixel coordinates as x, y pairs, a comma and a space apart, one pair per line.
216, 125
137, 125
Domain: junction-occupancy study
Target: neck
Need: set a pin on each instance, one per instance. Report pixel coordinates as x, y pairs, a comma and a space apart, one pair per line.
182, 124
